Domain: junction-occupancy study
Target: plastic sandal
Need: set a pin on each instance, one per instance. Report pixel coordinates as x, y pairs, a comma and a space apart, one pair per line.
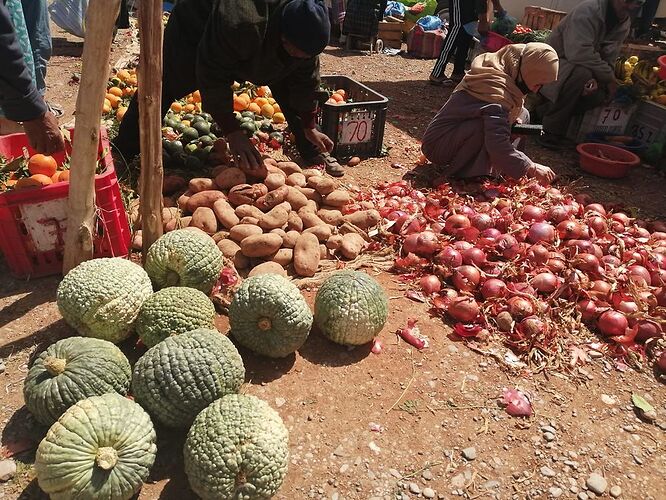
332, 165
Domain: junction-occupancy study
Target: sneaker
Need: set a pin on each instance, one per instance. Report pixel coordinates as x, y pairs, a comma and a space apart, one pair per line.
444, 81
333, 168
555, 142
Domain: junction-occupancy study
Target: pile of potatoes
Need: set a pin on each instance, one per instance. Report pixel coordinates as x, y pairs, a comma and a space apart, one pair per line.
287, 219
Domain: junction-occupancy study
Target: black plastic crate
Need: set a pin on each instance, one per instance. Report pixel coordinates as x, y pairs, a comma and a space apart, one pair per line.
356, 128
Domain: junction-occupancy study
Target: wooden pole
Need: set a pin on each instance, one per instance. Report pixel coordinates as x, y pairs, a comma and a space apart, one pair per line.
150, 120
100, 19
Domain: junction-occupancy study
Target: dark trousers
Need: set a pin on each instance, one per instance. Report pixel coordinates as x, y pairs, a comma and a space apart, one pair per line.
570, 101
457, 40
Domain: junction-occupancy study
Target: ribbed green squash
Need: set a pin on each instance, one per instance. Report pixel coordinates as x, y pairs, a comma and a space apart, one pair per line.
182, 375
70, 370
237, 448
184, 258
101, 297
351, 308
102, 448
172, 311
269, 315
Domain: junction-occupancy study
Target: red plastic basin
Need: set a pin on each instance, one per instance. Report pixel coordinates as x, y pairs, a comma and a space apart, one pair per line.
604, 160
494, 41
662, 67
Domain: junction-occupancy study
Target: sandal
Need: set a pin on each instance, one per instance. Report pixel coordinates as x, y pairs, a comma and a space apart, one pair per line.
332, 165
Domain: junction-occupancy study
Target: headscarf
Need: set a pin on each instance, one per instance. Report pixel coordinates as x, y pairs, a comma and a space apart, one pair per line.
492, 77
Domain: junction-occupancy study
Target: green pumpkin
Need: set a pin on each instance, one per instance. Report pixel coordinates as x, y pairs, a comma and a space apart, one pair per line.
269, 315
179, 377
70, 370
102, 448
351, 308
172, 311
184, 258
237, 448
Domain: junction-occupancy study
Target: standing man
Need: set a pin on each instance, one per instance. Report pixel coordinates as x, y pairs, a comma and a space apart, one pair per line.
588, 42
209, 44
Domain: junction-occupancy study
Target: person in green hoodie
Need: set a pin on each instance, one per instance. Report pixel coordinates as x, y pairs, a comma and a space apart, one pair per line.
209, 44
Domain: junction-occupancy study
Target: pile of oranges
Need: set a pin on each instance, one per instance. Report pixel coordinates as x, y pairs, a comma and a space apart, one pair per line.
120, 90
42, 170
259, 101
338, 97
190, 104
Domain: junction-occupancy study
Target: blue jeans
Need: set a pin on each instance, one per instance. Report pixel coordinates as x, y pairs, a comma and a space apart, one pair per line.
37, 21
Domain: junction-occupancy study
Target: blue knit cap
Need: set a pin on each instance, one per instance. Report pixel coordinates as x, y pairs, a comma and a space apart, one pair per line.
305, 23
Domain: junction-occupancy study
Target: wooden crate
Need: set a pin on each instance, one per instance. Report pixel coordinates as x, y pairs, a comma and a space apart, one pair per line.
390, 33
540, 18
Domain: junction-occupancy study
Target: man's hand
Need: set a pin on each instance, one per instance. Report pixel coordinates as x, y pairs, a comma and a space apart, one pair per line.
542, 173
244, 153
44, 134
322, 142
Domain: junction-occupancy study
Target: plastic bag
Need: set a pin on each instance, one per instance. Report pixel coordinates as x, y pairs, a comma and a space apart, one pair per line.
395, 9
70, 15
430, 23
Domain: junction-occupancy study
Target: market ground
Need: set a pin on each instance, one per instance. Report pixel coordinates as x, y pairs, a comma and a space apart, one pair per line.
364, 425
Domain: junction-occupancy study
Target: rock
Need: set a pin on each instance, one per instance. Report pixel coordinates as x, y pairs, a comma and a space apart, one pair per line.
615, 491
555, 492
373, 446
344, 468
548, 472
428, 493
596, 483
339, 452
548, 428
7, 470
469, 453
280, 402
458, 481
395, 473
2, 367
414, 488
335, 496
609, 400
549, 436
427, 475
649, 416
490, 485
582, 496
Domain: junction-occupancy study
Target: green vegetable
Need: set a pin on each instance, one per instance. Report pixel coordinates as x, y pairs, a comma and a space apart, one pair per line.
237, 448
351, 308
172, 311
102, 297
102, 448
269, 315
179, 377
184, 258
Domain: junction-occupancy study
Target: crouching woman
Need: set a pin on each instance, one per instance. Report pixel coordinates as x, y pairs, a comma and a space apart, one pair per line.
471, 135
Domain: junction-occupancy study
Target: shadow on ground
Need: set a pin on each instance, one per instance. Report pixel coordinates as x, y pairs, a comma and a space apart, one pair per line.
67, 48
319, 350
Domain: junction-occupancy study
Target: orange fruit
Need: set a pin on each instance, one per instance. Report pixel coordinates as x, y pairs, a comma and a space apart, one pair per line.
271, 100
34, 181
123, 75
276, 107
239, 104
60, 176
188, 108
331, 101
176, 107
42, 164
132, 81
117, 91
114, 100
245, 96
261, 101
342, 92
120, 113
44, 180
337, 97
262, 91
196, 96
129, 91
278, 118
267, 110
254, 107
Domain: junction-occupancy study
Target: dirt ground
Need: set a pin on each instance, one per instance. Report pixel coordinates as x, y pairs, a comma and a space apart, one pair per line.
403, 423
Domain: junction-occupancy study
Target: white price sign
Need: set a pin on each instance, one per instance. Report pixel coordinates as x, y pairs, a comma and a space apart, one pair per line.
356, 128
612, 116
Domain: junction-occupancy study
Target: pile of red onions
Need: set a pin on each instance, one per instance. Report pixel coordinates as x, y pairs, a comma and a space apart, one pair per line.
536, 254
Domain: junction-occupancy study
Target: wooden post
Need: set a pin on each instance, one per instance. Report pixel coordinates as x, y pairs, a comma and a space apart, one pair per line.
100, 19
150, 120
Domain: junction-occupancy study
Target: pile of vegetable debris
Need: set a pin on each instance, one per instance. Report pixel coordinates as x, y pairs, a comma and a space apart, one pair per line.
542, 269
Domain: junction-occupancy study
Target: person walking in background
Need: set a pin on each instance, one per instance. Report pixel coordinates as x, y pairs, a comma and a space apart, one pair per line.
471, 135
362, 17
457, 40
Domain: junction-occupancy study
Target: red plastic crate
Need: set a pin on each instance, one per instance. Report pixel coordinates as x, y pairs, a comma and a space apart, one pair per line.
33, 221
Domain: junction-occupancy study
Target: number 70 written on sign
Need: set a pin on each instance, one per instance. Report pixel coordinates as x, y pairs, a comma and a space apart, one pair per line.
356, 129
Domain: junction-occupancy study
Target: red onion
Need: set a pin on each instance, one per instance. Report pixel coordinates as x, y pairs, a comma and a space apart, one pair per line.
596, 207
532, 213
658, 277
545, 282
474, 256
554, 193
470, 234
531, 327
395, 214
520, 307
600, 289
415, 226
661, 362
639, 232
411, 243
660, 295
461, 246
624, 303
449, 256
646, 330
482, 221
639, 275
537, 254
617, 226
463, 309
588, 309
569, 230
456, 221
493, 287
613, 323
427, 243
557, 214
437, 227
621, 218
657, 261
610, 261
541, 231
466, 278
430, 284
507, 245
583, 198
491, 232
586, 262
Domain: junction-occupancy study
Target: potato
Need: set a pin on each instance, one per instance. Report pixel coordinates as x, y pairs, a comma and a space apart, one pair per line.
274, 219
245, 194
182, 200
309, 218
184, 222
269, 162
172, 184
323, 185
310, 194
274, 181
134, 213
364, 218
285, 205
311, 205
171, 225
337, 198
347, 227
201, 184
248, 211
323, 252
137, 240
290, 239
204, 219
230, 177
228, 248
273, 198
322, 232
306, 255
272, 169
204, 199
220, 235
296, 179
367, 205
312, 172
334, 242
353, 161
351, 246
241, 231
219, 168
289, 167
261, 245
329, 216
225, 214
295, 198
169, 213
259, 174
168, 202
284, 256
267, 268
279, 231
241, 261
249, 220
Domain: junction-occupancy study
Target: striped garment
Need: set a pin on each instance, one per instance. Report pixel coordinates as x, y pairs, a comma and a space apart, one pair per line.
461, 12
